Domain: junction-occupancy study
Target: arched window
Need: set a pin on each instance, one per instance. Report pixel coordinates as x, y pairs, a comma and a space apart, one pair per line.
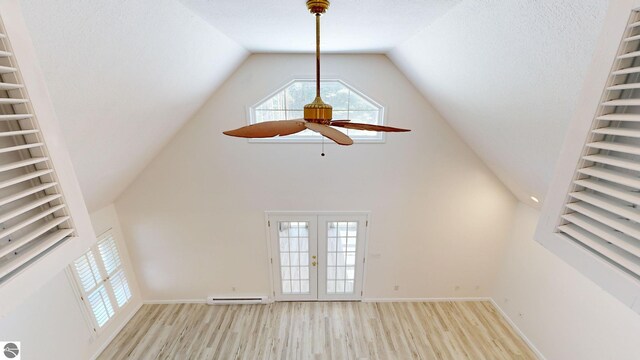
287, 103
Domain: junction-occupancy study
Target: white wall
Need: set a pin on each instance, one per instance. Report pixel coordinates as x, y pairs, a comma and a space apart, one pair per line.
50, 324
194, 219
563, 313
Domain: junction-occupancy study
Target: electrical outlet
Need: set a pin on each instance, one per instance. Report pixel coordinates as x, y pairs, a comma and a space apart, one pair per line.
456, 288
396, 288
233, 288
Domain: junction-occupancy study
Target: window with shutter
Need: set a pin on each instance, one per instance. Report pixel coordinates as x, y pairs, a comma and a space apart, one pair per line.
33, 215
602, 211
591, 216
102, 280
114, 270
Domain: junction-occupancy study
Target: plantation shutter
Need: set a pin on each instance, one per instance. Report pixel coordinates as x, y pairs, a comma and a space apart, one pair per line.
114, 270
33, 216
93, 287
602, 210
102, 279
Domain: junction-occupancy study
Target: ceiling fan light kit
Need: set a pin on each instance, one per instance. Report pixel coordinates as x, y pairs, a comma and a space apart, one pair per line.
318, 115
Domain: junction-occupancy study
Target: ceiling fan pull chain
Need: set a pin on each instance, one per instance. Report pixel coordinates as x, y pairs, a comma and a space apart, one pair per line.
322, 154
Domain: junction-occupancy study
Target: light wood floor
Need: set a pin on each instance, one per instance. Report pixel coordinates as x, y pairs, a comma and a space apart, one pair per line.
319, 330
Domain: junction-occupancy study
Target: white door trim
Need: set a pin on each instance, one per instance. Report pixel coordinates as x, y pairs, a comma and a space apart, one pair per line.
272, 216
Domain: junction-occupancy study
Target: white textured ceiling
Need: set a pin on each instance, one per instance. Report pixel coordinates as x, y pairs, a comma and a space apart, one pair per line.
349, 25
506, 75
124, 76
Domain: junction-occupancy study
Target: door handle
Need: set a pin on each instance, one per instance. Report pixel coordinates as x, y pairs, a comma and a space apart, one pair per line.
313, 263
313, 257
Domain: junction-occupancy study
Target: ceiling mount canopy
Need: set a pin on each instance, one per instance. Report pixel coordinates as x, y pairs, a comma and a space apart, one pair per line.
318, 6
318, 115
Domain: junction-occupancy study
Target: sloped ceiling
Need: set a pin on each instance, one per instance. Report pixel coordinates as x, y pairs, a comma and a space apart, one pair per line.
506, 75
349, 26
124, 76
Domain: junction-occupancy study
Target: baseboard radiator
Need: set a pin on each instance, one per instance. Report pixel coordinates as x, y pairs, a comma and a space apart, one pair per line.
215, 300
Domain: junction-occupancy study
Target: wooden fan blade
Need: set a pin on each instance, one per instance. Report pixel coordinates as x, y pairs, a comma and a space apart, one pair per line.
268, 129
333, 134
369, 127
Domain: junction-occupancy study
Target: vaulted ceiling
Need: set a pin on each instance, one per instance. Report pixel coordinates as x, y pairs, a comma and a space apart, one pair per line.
124, 76
506, 75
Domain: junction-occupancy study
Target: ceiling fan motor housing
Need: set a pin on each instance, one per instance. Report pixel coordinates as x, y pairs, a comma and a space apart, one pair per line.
318, 6
318, 112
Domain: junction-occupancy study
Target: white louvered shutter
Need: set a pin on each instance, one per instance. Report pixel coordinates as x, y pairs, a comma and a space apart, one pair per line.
114, 270
33, 216
602, 212
94, 292
102, 280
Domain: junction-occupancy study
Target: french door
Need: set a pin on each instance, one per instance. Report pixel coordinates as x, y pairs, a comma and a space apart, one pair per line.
317, 257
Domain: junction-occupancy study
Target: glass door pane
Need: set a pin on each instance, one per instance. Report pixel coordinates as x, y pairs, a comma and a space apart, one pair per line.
341, 258
294, 257
342, 239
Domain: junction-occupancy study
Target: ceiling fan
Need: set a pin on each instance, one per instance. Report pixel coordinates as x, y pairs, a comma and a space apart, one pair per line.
318, 114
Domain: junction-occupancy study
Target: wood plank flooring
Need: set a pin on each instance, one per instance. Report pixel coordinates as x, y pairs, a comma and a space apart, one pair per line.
319, 330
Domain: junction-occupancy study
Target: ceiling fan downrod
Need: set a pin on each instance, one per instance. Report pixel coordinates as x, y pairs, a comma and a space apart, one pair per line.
318, 111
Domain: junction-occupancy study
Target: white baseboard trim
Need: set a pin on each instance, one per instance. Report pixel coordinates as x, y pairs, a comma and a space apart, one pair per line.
178, 301
115, 333
426, 299
203, 301
517, 329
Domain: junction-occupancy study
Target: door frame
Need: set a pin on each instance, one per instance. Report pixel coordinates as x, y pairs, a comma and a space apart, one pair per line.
270, 263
